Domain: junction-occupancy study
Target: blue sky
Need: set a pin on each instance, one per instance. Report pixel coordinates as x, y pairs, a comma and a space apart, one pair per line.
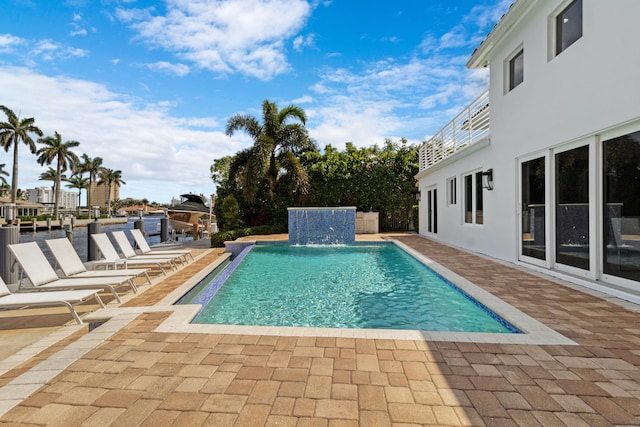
149, 85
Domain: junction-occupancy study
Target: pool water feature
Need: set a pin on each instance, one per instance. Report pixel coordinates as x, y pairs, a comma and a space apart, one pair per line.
322, 226
377, 286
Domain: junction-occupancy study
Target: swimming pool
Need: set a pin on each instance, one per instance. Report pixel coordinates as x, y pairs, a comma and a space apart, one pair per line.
377, 286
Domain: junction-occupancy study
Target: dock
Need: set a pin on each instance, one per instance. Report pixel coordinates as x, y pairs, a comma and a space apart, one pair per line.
48, 225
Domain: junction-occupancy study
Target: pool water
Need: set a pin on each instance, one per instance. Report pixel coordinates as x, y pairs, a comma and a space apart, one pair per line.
375, 286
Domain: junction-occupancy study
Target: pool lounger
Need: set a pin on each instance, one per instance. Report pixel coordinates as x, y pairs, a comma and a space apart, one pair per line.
112, 259
42, 275
145, 249
10, 300
71, 265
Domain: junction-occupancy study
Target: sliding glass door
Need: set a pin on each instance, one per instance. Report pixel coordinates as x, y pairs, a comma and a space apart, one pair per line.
572, 207
621, 210
533, 227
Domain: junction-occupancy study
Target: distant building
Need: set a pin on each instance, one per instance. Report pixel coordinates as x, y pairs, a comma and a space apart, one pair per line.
46, 196
23, 208
99, 194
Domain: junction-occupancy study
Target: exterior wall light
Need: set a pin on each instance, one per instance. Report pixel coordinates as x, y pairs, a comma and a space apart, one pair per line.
418, 195
487, 179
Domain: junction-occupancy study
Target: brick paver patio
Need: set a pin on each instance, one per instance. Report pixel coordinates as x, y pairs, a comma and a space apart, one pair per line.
141, 377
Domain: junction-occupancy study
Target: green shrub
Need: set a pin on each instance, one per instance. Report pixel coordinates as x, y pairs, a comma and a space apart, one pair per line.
218, 239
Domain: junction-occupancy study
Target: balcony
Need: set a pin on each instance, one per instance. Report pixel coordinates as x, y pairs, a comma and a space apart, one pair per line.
467, 128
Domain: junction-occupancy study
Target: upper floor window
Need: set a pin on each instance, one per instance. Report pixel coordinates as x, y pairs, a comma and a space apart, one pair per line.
568, 26
516, 69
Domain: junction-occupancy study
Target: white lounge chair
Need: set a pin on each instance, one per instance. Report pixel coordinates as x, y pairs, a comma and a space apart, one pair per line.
144, 247
71, 265
112, 258
42, 275
68, 299
129, 253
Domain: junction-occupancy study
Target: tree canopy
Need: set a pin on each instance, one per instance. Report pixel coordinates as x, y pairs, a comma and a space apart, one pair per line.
278, 141
54, 150
12, 132
372, 178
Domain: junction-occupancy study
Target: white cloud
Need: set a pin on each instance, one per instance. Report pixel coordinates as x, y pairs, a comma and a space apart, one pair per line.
78, 32
301, 42
8, 42
77, 27
224, 36
396, 97
159, 155
391, 99
45, 49
167, 67
306, 99
471, 30
457, 37
344, 120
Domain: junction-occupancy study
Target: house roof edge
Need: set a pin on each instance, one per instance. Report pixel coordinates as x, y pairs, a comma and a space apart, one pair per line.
479, 57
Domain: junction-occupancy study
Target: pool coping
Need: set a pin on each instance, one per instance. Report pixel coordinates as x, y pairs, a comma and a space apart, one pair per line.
534, 332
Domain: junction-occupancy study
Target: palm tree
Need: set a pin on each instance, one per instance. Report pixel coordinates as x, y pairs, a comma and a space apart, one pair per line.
78, 182
277, 143
4, 187
3, 173
93, 168
50, 175
110, 177
60, 152
12, 132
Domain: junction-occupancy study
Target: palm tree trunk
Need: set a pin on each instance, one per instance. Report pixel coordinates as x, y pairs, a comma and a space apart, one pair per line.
56, 196
109, 200
14, 177
89, 196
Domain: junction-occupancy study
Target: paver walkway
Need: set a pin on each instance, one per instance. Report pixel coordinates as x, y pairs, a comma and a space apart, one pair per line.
141, 377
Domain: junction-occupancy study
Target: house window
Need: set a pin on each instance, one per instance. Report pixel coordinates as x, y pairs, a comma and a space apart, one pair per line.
432, 211
451, 191
473, 203
479, 217
568, 26
468, 199
516, 69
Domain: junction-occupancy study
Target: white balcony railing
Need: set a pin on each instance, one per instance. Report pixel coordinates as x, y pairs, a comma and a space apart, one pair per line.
468, 127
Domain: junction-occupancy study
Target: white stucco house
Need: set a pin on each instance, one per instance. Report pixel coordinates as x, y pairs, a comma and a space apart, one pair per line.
543, 170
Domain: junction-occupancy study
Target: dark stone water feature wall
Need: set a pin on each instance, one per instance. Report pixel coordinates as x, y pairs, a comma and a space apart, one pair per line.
322, 226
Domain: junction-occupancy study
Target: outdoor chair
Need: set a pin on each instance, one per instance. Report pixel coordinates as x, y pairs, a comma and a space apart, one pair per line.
10, 300
42, 275
144, 247
130, 253
71, 265
112, 258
